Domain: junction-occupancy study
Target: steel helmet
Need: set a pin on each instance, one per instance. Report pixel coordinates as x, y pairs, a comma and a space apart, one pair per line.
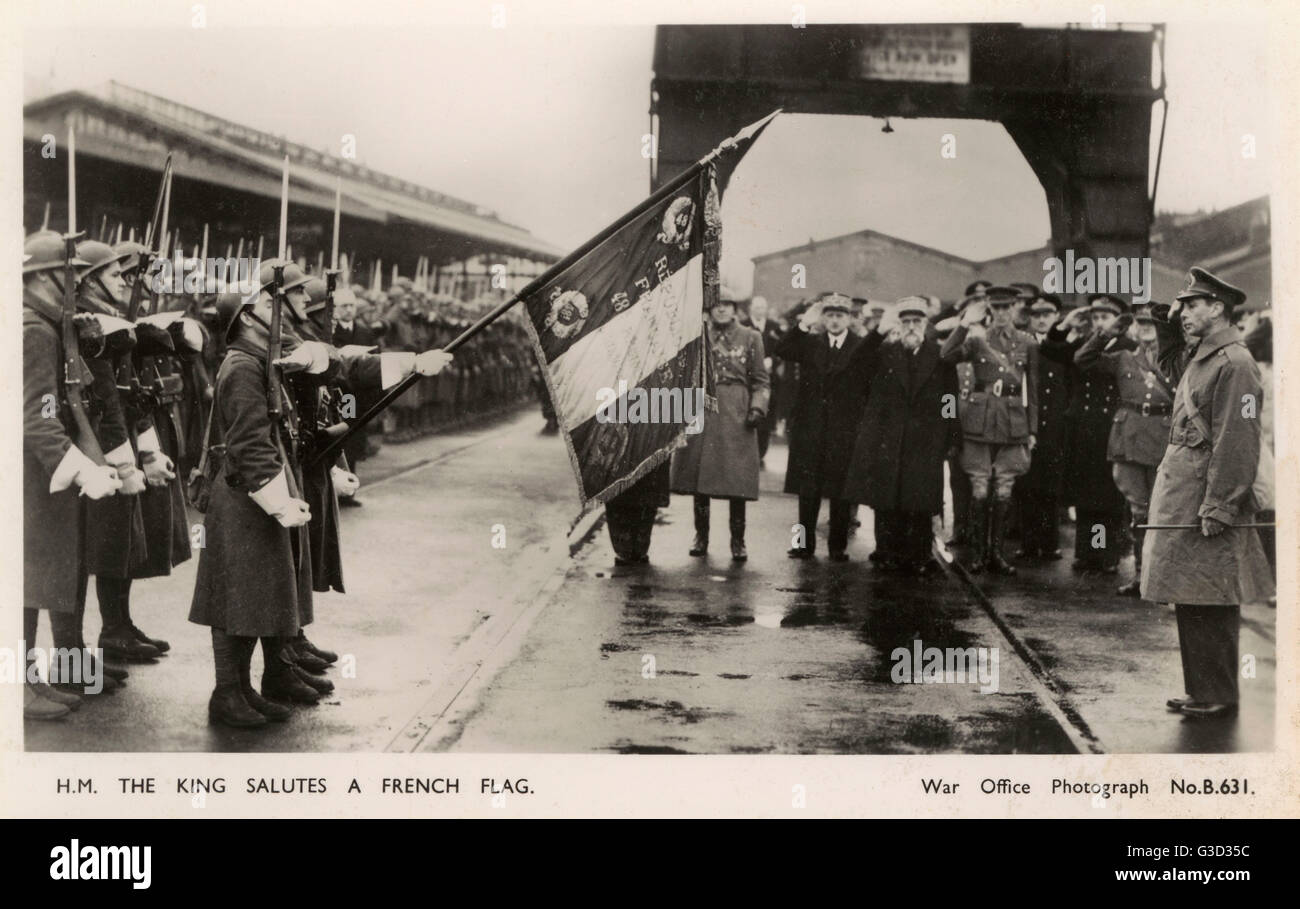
45, 251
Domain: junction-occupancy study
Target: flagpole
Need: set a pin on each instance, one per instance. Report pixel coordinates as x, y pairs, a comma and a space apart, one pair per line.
663, 192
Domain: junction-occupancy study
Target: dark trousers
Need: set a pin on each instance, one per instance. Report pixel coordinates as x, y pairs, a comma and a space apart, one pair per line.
1207, 637
630, 526
903, 536
1040, 532
764, 436
959, 485
838, 537
736, 515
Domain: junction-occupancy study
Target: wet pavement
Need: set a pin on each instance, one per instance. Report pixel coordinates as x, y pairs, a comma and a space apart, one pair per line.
450, 643
414, 558
1117, 660
779, 656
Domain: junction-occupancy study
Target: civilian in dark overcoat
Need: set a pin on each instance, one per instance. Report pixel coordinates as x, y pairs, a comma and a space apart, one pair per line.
828, 406
909, 425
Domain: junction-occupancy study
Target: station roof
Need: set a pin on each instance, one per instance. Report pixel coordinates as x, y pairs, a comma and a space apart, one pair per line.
138, 128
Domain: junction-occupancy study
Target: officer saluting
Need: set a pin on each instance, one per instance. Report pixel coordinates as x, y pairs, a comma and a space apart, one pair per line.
1140, 429
1205, 480
1038, 492
998, 421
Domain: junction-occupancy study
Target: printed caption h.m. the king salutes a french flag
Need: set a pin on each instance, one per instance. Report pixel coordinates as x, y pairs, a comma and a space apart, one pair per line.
625, 312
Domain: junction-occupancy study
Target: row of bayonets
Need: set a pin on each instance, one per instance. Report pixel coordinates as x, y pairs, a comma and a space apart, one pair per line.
168, 243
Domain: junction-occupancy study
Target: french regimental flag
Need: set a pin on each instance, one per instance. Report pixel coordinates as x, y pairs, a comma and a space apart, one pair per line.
618, 328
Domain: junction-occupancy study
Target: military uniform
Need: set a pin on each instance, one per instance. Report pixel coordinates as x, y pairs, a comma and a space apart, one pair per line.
1039, 490
1140, 430
55, 468
1208, 472
997, 422
721, 461
1090, 488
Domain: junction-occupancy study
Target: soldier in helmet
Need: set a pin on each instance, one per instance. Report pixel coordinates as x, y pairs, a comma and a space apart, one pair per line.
150, 378
61, 464
255, 575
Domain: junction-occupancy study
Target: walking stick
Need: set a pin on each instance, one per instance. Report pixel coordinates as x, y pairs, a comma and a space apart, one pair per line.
1197, 526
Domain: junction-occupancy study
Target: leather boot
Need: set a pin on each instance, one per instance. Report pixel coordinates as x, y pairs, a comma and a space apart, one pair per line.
1000, 510
977, 535
121, 642
67, 699
36, 707
1134, 587
322, 685
738, 551
303, 645
91, 668
302, 658
700, 545
272, 710
280, 682
228, 707
157, 643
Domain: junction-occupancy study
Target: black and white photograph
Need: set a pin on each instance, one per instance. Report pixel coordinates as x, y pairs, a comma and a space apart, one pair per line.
502, 382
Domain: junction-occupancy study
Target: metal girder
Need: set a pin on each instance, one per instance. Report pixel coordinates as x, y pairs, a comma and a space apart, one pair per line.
1076, 101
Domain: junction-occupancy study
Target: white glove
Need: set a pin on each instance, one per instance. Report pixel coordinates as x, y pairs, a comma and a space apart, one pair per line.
974, 313
431, 362
889, 321
810, 317
346, 483
133, 481
98, 481
158, 468
192, 335
274, 499
311, 356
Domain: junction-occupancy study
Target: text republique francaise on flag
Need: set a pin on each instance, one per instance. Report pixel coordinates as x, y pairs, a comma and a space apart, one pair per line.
627, 312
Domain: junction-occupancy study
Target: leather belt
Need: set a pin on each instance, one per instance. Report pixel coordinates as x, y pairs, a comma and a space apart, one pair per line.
1146, 408
1001, 388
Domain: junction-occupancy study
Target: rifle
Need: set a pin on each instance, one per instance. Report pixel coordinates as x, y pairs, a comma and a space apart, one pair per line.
127, 380
274, 392
83, 433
